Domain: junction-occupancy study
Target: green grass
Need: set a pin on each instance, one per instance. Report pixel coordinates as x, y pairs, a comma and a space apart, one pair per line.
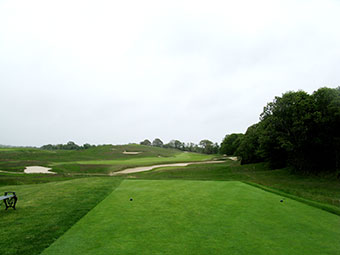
45, 211
20, 179
320, 189
168, 213
101, 159
107, 166
199, 217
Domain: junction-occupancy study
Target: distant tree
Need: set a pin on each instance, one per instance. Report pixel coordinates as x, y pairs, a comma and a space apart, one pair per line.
157, 143
190, 147
69, 146
231, 143
176, 144
87, 146
146, 142
207, 146
47, 147
216, 148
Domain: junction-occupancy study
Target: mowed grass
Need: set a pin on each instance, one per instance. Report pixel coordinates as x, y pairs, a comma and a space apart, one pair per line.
101, 159
45, 211
321, 189
199, 217
107, 166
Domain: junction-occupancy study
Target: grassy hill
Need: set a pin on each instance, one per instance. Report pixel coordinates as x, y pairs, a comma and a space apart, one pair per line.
100, 159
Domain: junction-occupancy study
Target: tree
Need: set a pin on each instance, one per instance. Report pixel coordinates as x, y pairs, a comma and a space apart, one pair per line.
284, 121
71, 146
190, 147
248, 149
176, 144
157, 143
87, 146
230, 144
297, 130
207, 146
146, 142
326, 129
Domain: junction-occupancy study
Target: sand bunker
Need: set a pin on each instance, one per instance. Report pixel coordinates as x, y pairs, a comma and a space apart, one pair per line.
38, 170
147, 168
132, 152
232, 158
8, 172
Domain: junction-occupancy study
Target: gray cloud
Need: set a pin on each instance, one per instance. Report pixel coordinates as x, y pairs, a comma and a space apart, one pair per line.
108, 72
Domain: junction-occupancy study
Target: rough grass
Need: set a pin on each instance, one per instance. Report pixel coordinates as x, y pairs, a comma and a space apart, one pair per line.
20, 179
45, 211
200, 217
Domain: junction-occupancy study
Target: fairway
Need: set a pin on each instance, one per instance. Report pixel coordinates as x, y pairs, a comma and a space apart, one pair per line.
199, 217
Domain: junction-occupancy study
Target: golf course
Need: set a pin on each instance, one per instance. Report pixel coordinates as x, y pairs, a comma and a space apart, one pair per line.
213, 205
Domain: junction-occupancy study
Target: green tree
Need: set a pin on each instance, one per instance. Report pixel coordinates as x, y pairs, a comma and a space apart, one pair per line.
231, 143
284, 123
299, 130
157, 143
87, 146
208, 147
248, 149
146, 142
326, 135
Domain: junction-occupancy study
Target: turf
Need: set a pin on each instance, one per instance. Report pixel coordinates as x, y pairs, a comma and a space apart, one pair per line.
106, 166
199, 217
100, 159
317, 188
45, 211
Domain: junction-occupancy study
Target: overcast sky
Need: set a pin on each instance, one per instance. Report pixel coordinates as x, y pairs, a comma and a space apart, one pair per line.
122, 71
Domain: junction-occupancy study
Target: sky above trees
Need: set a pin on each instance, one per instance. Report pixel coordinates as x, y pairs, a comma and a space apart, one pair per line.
124, 71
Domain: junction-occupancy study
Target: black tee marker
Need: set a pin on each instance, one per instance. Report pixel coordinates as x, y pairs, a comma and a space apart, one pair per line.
281, 200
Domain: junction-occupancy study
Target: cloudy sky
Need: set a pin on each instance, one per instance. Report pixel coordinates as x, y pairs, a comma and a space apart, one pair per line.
122, 71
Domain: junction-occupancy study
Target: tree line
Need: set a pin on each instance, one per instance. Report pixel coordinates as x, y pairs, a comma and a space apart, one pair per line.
69, 146
204, 146
298, 129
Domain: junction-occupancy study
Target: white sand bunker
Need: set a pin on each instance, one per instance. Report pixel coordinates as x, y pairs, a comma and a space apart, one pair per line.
233, 158
147, 168
38, 170
132, 152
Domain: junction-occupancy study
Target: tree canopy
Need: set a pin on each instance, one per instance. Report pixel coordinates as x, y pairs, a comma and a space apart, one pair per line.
157, 143
69, 146
146, 142
297, 130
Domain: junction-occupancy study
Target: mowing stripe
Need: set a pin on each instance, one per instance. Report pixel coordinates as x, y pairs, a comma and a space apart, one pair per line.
199, 217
